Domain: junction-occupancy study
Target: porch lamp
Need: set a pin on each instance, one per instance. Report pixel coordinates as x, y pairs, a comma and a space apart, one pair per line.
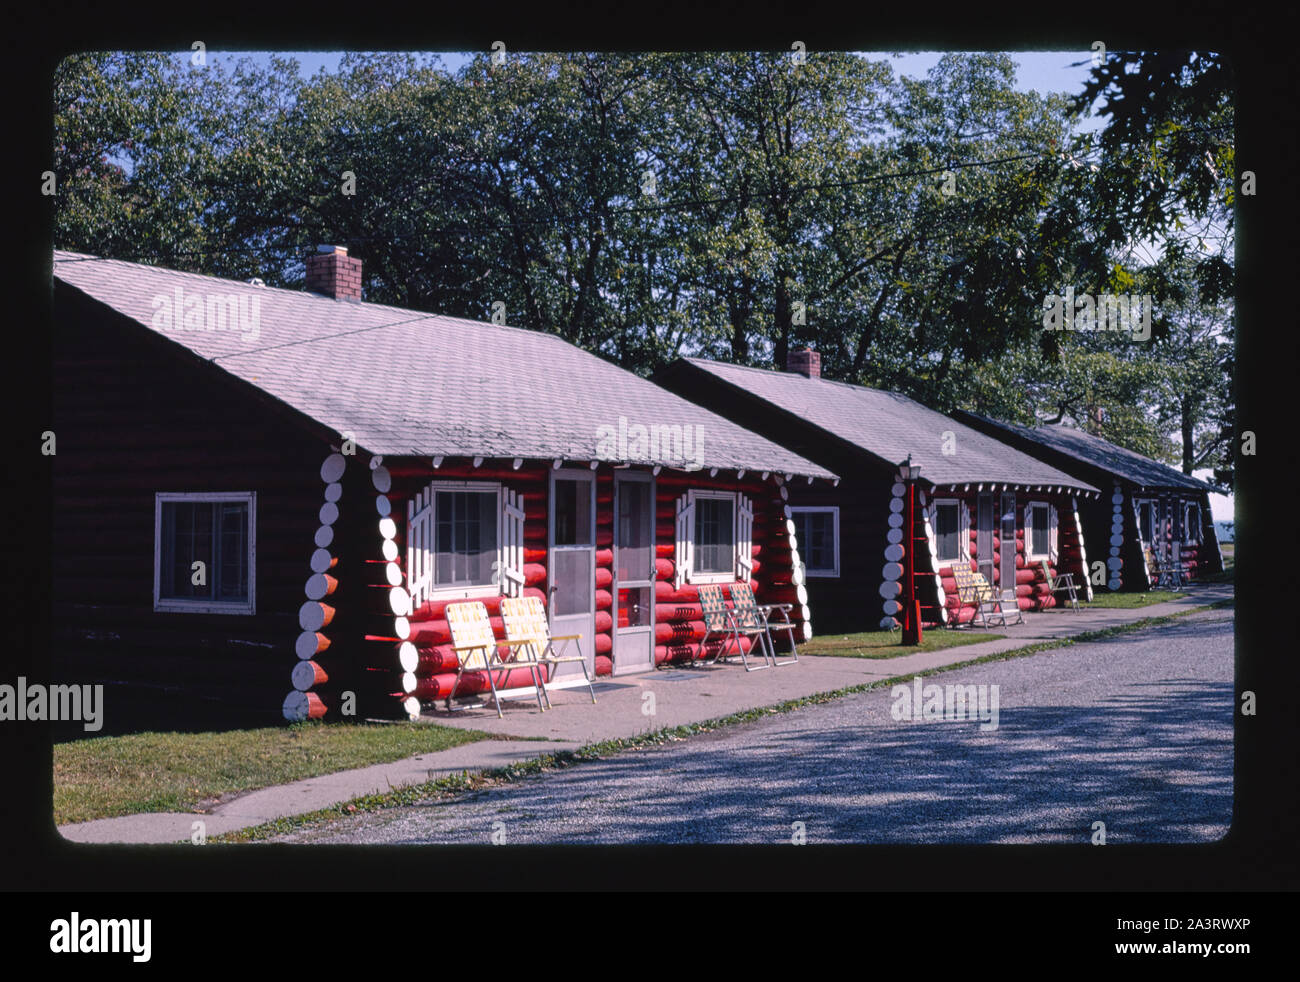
911, 606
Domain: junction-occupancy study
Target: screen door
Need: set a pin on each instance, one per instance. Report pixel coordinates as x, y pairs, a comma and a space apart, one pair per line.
634, 574
1007, 545
572, 569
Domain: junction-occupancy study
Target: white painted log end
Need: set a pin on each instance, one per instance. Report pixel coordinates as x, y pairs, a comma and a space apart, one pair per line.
296, 706
332, 469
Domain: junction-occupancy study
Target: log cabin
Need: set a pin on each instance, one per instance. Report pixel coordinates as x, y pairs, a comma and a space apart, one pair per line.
1148, 506
981, 502
261, 491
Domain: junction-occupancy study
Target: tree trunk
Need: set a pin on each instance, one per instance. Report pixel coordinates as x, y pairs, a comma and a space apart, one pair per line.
1187, 420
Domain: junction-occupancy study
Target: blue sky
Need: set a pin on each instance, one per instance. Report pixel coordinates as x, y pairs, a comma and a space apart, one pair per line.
1046, 71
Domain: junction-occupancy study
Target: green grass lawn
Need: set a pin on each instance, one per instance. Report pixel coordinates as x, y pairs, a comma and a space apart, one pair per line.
1129, 601
155, 772
887, 644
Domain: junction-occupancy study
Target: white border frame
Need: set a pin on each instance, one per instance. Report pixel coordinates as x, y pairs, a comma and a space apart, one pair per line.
961, 553
590, 477
1029, 529
692, 576
173, 605
834, 510
622, 477
1138, 504
478, 592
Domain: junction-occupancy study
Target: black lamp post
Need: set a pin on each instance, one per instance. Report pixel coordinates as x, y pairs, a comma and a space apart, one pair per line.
911, 606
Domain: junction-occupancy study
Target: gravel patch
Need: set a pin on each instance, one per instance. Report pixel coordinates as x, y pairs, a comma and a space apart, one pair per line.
1134, 731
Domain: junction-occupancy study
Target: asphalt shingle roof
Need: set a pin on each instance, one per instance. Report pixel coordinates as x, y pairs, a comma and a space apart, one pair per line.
410, 383
890, 426
1102, 453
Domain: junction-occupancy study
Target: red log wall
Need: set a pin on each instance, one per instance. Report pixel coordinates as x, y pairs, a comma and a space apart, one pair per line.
1030, 584
679, 627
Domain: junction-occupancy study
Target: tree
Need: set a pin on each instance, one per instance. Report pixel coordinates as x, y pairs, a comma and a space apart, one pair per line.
130, 156
982, 224
1168, 156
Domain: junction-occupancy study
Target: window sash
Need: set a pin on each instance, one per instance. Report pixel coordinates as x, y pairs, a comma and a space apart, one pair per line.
818, 533
1146, 521
947, 542
213, 528
466, 542
1038, 522
713, 536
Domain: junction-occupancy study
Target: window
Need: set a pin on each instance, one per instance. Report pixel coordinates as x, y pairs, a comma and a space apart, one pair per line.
572, 512
1038, 529
1146, 520
204, 552
465, 538
818, 533
1192, 523
947, 530
715, 535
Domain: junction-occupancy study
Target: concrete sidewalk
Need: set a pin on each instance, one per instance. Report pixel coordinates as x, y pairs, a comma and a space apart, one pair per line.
626, 706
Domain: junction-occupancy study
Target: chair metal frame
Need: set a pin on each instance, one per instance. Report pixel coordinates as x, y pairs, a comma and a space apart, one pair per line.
526, 621
1161, 571
743, 602
1061, 581
721, 620
478, 650
972, 587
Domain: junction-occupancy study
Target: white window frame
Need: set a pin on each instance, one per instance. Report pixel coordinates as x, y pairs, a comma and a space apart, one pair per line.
963, 544
466, 592
177, 605
1030, 525
692, 576
834, 511
1155, 520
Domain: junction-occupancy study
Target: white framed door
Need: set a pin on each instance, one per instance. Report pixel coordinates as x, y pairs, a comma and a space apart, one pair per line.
1007, 546
571, 570
634, 573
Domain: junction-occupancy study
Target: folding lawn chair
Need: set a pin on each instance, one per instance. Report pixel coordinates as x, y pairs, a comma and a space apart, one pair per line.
477, 650
746, 608
525, 619
1153, 566
723, 622
1000, 604
1166, 575
1059, 582
974, 590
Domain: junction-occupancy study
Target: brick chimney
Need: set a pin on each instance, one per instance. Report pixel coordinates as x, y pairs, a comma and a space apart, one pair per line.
331, 271
805, 361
